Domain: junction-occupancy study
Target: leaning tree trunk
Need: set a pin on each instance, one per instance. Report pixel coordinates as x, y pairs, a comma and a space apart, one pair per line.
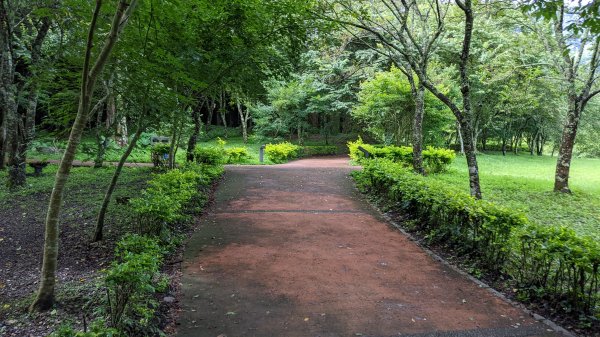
565, 151
98, 233
45, 296
417, 136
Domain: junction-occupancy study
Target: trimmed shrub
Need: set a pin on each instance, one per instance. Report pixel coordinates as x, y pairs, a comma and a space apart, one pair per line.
435, 160
169, 194
546, 263
555, 265
236, 154
282, 152
209, 155
318, 150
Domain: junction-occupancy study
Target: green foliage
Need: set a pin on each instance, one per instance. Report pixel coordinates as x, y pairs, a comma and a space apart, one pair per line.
236, 154
556, 265
168, 194
208, 155
318, 150
160, 154
386, 108
130, 284
546, 263
435, 160
282, 152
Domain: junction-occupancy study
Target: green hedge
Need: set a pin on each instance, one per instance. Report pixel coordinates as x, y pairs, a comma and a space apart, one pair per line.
435, 160
209, 155
318, 150
167, 196
551, 264
282, 152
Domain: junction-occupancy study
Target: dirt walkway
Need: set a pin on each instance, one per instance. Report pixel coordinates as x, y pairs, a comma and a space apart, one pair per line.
294, 250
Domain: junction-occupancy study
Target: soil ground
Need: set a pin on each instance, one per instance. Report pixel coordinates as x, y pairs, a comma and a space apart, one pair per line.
295, 250
79, 261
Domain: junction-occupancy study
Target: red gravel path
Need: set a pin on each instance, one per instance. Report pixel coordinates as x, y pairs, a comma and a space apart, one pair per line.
294, 250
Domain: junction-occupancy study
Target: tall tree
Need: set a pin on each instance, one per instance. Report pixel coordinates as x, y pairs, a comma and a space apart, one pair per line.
575, 69
389, 22
92, 68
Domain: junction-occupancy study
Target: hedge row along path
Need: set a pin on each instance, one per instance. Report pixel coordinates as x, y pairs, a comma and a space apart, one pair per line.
294, 250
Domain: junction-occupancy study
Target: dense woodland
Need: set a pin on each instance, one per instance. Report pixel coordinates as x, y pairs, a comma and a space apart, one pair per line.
470, 75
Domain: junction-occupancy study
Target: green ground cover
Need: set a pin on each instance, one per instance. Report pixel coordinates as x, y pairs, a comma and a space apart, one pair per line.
524, 183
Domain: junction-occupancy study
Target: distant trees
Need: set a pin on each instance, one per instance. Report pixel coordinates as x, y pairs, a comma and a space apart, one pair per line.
23, 31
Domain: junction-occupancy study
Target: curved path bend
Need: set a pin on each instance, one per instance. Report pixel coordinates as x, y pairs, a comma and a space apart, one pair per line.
294, 250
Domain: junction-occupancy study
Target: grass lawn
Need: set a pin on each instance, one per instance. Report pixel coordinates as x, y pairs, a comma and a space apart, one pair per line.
524, 183
141, 153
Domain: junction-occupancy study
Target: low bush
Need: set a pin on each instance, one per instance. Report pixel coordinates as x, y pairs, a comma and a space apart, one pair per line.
236, 154
131, 281
544, 263
318, 150
209, 155
435, 160
282, 152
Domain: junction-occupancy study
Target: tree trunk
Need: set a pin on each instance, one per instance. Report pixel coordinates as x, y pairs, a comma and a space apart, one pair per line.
45, 296
193, 140
2, 139
16, 163
565, 151
417, 136
223, 112
474, 185
98, 234
465, 121
171, 163
243, 120
460, 138
211, 110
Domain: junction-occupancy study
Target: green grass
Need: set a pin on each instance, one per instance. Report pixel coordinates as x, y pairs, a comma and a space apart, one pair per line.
85, 182
524, 183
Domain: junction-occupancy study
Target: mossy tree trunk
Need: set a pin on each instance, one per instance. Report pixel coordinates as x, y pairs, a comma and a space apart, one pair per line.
44, 298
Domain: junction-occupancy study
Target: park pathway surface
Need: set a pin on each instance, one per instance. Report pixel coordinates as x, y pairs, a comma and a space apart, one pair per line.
294, 250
